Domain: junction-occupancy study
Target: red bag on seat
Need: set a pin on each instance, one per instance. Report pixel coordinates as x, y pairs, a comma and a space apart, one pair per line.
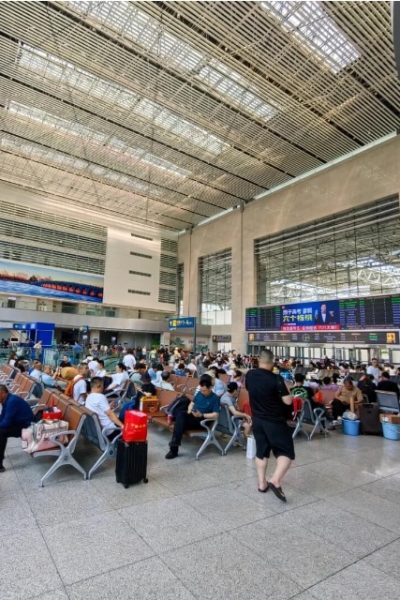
135, 426
52, 414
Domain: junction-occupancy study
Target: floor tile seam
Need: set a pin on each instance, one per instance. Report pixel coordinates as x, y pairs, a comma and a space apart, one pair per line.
277, 514
355, 487
56, 589
275, 568
107, 572
384, 477
207, 537
345, 509
193, 505
207, 487
140, 536
78, 517
376, 477
176, 576
340, 546
323, 540
310, 588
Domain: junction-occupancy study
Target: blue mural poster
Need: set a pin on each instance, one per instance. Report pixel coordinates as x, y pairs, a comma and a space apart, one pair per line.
47, 282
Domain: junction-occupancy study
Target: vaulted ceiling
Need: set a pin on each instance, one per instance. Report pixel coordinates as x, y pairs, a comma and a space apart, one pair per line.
171, 112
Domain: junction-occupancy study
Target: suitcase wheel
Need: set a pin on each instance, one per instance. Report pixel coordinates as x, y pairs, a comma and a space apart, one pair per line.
126, 485
145, 480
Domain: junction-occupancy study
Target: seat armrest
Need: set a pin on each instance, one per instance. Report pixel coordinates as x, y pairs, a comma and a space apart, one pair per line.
113, 441
204, 423
318, 412
69, 432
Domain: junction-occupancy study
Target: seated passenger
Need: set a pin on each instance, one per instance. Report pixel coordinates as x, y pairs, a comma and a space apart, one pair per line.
159, 371
206, 405
164, 383
12, 359
327, 384
229, 398
386, 385
94, 367
237, 377
138, 375
36, 372
180, 370
191, 367
219, 386
152, 371
101, 371
98, 403
77, 387
147, 390
347, 398
129, 360
65, 362
367, 386
118, 380
47, 377
16, 414
307, 392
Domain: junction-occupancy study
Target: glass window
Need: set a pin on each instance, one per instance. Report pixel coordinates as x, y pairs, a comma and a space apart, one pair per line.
354, 253
180, 277
215, 274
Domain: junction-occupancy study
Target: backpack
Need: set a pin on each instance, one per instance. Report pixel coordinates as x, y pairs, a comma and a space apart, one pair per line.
69, 390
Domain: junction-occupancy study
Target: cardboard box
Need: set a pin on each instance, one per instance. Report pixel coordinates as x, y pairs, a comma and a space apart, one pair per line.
390, 418
151, 406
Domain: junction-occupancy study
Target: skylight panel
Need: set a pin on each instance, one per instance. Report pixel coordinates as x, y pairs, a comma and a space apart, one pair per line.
35, 151
139, 154
132, 23
313, 28
61, 72
45, 118
231, 85
82, 131
180, 127
65, 74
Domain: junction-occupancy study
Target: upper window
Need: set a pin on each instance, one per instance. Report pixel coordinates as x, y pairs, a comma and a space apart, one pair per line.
215, 275
354, 253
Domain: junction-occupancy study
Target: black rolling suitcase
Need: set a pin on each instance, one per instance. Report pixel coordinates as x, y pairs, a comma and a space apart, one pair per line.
131, 465
369, 419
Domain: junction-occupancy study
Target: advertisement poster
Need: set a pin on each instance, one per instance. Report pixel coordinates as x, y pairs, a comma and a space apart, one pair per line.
319, 316
47, 282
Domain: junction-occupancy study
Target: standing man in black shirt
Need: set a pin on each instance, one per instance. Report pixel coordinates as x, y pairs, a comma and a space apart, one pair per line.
269, 399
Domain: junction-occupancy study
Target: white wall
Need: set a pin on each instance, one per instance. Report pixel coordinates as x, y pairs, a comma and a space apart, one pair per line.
371, 175
119, 262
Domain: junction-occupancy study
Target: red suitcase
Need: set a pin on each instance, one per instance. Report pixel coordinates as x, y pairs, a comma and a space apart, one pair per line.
135, 426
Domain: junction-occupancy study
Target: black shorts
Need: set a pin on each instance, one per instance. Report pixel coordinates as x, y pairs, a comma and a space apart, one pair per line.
275, 436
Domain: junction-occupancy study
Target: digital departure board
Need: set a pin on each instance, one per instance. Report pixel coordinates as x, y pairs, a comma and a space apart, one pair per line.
326, 337
374, 312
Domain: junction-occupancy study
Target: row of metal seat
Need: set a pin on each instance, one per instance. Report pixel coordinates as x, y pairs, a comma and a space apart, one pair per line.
20, 383
81, 422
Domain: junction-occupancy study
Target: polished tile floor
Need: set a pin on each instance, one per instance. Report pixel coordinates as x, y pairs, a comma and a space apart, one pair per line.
200, 529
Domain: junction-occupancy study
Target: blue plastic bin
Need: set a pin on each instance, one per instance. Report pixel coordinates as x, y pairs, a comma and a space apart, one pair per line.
391, 431
351, 427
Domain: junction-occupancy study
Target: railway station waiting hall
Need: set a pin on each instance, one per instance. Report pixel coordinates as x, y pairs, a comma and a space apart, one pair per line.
199, 300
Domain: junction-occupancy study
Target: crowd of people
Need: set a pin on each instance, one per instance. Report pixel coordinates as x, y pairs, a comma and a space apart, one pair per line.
271, 383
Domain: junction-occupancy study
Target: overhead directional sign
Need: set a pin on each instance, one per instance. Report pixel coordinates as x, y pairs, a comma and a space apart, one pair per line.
182, 323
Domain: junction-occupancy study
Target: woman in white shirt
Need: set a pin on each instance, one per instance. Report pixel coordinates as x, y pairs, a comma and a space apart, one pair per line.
118, 379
